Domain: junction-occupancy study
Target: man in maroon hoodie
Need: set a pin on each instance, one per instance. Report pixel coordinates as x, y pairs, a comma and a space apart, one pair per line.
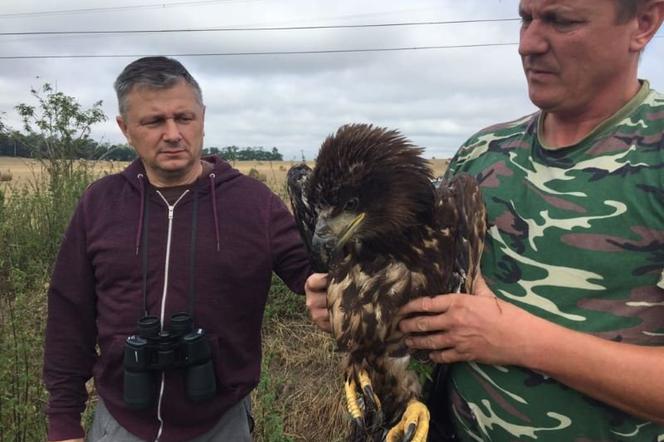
172, 233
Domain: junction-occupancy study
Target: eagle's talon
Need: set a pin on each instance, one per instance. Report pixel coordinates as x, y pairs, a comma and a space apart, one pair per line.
409, 433
362, 403
353, 402
413, 426
357, 430
367, 389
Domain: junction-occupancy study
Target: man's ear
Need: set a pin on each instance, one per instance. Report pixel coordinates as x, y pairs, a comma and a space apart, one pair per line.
123, 127
204, 120
649, 19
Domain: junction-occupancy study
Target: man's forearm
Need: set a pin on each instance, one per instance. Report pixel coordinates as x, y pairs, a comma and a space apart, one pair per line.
626, 376
485, 329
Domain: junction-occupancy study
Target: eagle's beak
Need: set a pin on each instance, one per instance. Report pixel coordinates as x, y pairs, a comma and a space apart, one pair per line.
332, 234
350, 229
323, 241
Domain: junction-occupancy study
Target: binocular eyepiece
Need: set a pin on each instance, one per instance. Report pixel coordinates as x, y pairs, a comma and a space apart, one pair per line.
153, 350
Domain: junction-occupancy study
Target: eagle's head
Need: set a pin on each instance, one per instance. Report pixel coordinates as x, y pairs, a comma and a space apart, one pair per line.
370, 186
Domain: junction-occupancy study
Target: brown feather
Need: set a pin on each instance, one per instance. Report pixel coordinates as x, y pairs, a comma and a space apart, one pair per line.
414, 240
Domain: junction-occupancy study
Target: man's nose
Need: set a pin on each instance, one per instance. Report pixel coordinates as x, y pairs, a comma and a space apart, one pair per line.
533, 39
171, 131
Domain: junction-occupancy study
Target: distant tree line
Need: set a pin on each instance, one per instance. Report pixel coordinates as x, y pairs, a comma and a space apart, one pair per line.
29, 146
59, 128
24, 146
21, 145
235, 153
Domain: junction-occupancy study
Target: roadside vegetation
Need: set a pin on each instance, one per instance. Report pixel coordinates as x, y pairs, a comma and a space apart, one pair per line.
298, 395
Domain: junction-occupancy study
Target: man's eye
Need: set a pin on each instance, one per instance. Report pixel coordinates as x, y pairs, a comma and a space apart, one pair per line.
184, 119
526, 20
561, 23
152, 122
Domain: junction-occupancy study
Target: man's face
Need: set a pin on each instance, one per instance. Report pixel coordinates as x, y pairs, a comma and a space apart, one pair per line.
574, 51
165, 126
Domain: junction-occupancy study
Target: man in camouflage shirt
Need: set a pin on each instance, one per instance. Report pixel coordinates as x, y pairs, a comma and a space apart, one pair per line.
565, 340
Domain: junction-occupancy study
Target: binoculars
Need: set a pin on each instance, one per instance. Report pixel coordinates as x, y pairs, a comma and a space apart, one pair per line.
153, 350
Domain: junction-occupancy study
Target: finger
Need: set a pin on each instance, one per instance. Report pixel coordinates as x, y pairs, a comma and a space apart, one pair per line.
323, 324
425, 323
316, 282
319, 314
447, 356
316, 301
326, 326
431, 341
426, 304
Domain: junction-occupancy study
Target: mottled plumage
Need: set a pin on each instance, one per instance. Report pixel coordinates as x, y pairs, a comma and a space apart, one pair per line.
371, 217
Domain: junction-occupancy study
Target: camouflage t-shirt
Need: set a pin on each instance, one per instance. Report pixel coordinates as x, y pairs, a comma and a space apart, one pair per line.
577, 237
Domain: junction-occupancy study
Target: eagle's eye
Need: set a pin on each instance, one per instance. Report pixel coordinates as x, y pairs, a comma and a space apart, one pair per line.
352, 204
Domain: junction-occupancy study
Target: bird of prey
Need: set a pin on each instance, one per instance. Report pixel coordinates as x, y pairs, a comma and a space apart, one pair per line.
372, 219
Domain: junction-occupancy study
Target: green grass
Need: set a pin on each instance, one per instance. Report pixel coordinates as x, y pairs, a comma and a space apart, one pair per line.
32, 222
298, 398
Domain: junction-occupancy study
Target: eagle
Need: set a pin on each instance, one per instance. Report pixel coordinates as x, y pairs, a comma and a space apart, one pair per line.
371, 217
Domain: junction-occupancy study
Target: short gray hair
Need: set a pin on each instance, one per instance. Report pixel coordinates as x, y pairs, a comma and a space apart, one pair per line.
627, 9
152, 72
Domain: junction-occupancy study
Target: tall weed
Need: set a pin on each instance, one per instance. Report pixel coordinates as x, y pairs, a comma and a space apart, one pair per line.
32, 222
298, 398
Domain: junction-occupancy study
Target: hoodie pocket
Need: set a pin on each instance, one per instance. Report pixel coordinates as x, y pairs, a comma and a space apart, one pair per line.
108, 371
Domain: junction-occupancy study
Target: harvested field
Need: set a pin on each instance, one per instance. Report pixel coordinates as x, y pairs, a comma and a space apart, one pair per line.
19, 171
299, 397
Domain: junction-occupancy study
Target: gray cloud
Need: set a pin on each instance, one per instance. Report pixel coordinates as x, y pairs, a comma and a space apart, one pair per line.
436, 97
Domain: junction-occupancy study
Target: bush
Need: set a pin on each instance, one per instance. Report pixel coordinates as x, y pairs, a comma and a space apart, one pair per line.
255, 174
32, 222
299, 397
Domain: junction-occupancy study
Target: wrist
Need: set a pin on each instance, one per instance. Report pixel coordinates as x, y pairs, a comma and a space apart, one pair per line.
536, 336
65, 426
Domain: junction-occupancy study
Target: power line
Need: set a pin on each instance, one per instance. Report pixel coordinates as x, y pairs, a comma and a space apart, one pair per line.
258, 53
115, 8
244, 29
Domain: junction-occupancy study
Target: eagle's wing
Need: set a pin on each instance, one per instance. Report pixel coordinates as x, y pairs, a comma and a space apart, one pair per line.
305, 215
461, 208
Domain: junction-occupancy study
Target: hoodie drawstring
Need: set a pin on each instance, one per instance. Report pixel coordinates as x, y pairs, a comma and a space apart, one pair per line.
142, 236
192, 253
214, 208
139, 230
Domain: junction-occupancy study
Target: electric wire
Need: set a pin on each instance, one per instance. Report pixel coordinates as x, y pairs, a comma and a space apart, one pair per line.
263, 53
263, 28
260, 53
117, 8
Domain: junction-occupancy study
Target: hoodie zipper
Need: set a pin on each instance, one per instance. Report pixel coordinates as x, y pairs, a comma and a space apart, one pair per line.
171, 215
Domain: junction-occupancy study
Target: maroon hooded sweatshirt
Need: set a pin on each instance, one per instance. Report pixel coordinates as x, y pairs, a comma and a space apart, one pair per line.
243, 232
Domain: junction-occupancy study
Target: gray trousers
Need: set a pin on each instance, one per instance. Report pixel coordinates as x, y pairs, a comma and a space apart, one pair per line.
234, 425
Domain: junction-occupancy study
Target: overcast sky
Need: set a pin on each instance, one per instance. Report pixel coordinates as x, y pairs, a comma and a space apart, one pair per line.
436, 97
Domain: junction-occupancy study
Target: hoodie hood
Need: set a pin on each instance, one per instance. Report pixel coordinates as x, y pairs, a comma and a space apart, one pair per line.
222, 171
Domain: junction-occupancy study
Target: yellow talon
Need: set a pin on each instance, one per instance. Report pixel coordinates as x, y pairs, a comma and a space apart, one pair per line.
413, 426
362, 404
351, 399
367, 388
